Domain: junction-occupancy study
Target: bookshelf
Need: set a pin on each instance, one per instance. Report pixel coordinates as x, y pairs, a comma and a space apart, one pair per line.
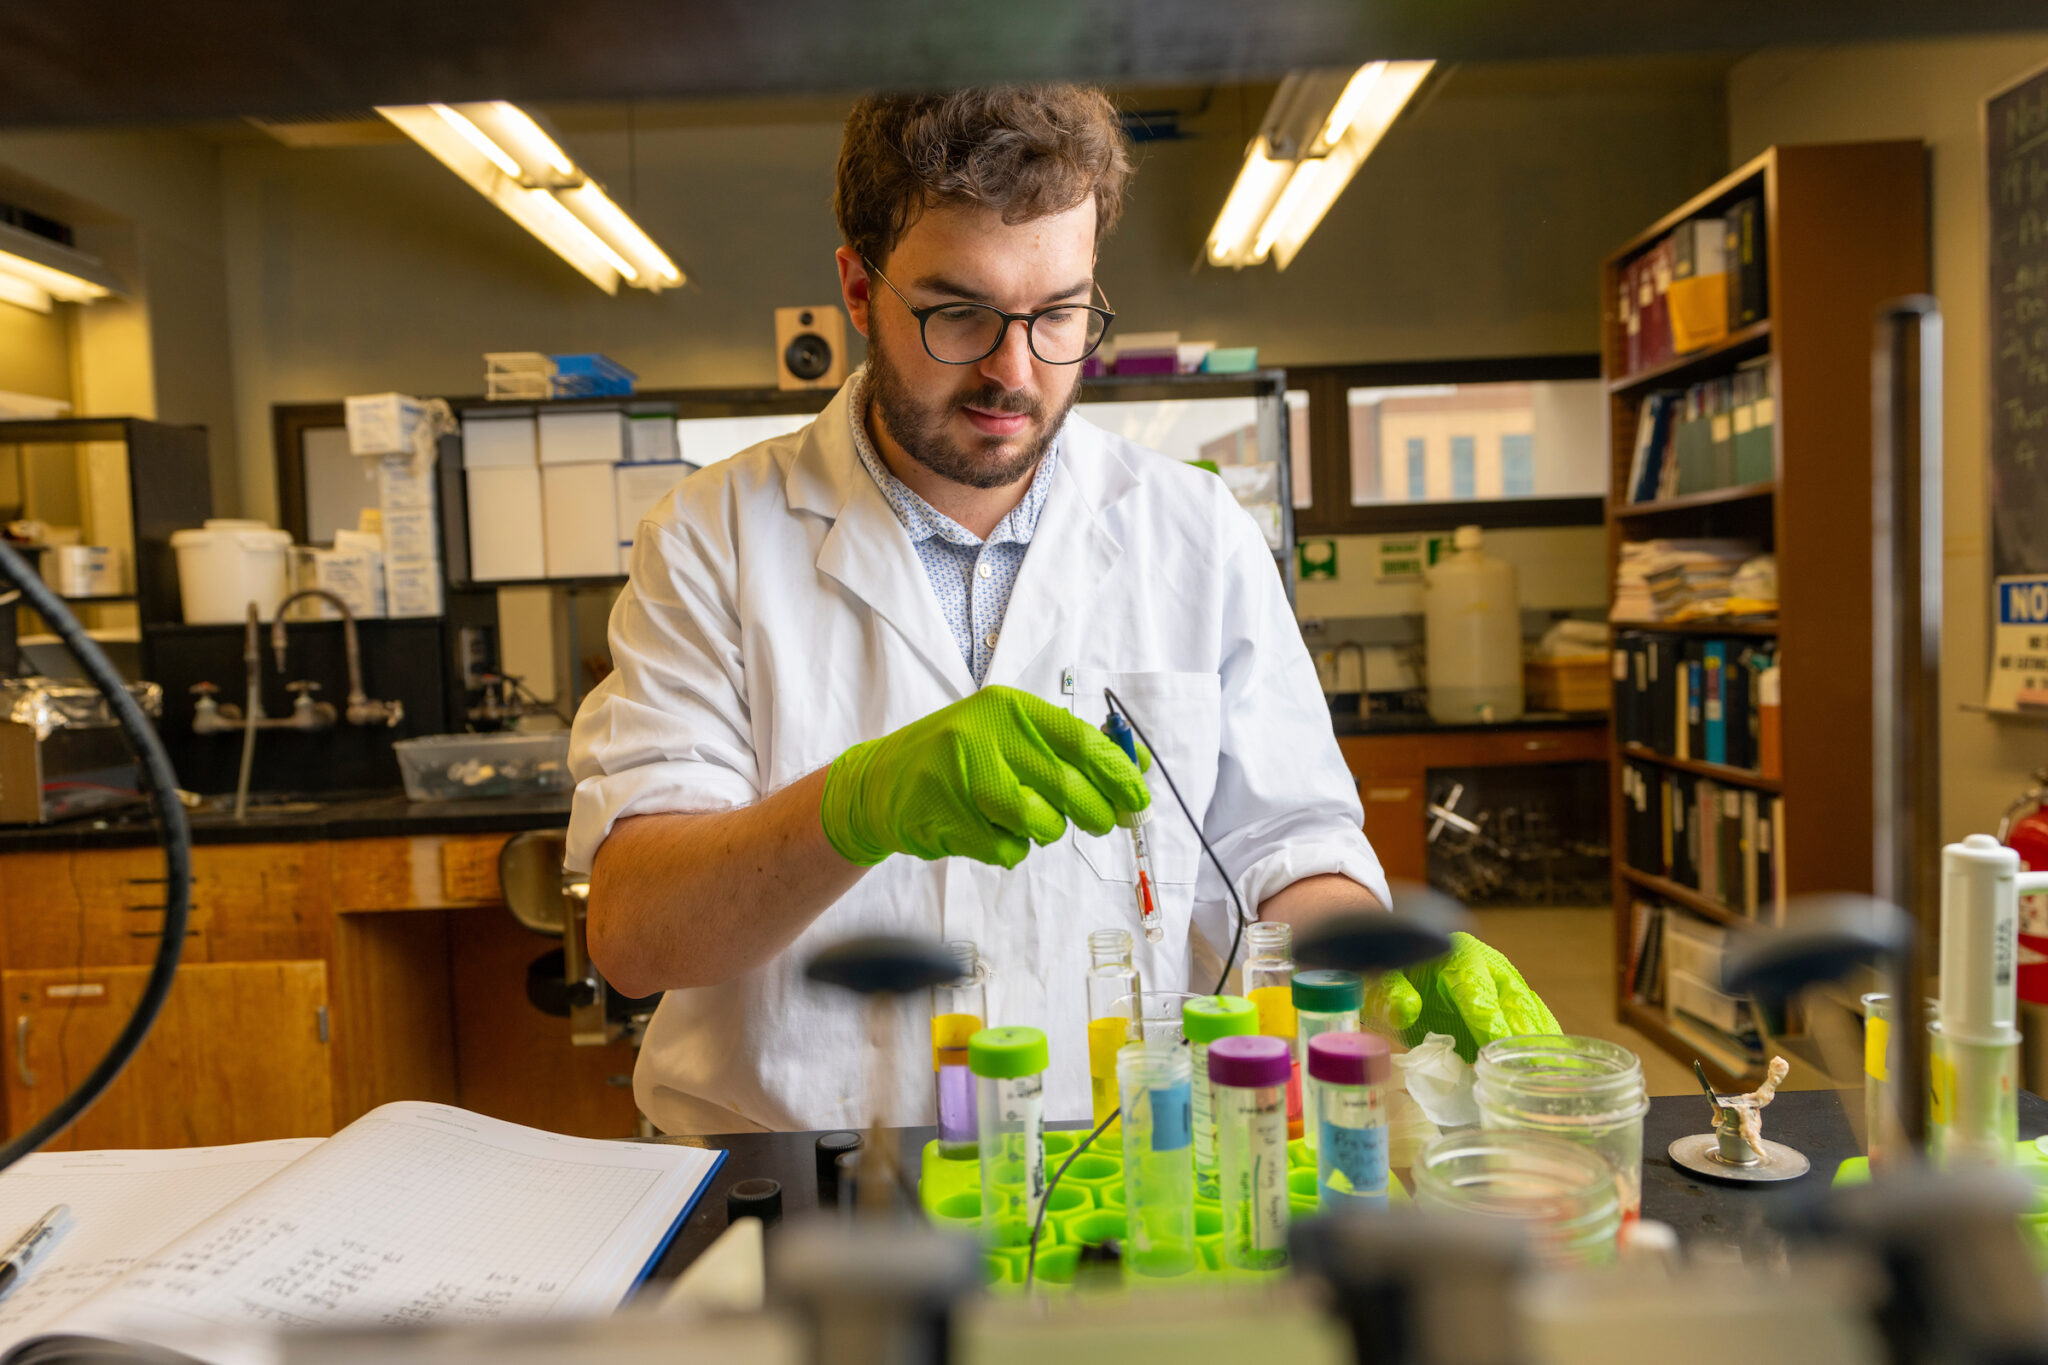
1844, 227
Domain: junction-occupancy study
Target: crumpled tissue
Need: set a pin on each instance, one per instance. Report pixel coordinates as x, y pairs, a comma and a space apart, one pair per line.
1440, 1081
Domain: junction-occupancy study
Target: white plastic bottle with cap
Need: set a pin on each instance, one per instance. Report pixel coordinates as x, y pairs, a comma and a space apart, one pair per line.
1472, 633
1973, 1047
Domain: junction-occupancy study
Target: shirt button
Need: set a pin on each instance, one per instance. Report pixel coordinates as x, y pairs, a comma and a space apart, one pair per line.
984, 570
990, 640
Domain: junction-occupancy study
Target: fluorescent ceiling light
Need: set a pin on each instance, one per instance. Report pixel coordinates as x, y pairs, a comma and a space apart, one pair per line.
18, 291
1319, 129
507, 157
34, 271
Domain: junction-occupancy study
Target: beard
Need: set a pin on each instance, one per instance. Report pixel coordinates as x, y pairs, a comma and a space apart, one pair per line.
919, 426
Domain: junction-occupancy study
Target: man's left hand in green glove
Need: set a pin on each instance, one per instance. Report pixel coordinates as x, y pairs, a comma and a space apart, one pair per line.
1473, 993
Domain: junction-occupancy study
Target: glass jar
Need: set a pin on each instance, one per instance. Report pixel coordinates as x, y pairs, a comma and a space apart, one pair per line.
1112, 1004
959, 1011
1009, 1084
1563, 1191
1324, 1002
1250, 1077
1159, 1172
1204, 1019
1583, 1090
1347, 1091
1269, 985
1158, 1015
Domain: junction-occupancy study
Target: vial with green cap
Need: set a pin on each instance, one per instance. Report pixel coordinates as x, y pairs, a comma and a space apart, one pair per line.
1324, 1002
1347, 1078
1159, 1187
1009, 1090
1202, 1021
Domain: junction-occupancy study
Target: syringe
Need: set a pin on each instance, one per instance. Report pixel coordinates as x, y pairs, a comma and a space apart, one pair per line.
1119, 729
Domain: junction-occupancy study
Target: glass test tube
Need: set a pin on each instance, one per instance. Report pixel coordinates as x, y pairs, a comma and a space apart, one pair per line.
1269, 985
1009, 1084
959, 1011
1347, 1091
1159, 1187
1324, 1002
1204, 1019
1112, 1019
1250, 1077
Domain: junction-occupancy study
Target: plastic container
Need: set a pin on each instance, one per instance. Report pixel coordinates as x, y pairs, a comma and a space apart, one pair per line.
1204, 1019
476, 767
1586, 1091
1269, 985
1564, 1192
1472, 635
1009, 1092
1324, 1002
1250, 1079
1112, 993
1159, 1170
228, 563
959, 1011
1347, 1091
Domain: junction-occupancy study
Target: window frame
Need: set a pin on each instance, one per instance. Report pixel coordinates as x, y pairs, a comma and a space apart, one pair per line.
1330, 512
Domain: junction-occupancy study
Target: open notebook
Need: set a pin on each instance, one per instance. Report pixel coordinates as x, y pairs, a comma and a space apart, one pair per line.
415, 1213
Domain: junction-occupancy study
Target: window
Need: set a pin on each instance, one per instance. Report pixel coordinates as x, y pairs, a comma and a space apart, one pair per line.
1464, 478
1418, 469
1517, 464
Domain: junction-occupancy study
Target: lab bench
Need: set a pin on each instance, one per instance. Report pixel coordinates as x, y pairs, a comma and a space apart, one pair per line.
1390, 757
338, 955
1705, 1214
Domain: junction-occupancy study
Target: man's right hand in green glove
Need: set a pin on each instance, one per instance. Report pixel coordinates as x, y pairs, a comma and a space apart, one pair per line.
983, 778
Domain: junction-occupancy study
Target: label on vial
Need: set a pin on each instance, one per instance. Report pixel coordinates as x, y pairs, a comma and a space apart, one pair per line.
1203, 1108
1876, 1040
1172, 1117
1357, 1157
1024, 1114
1267, 1161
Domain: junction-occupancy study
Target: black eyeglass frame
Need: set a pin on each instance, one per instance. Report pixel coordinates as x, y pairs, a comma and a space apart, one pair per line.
1030, 321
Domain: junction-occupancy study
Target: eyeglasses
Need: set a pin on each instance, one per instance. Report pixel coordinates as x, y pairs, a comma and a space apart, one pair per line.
962, 333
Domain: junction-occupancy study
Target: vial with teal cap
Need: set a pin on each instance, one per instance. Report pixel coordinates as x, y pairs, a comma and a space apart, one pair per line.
1324, 1002
1250, 1075
1159, 1191
1009, 1087
1347, 1086
1202, 1021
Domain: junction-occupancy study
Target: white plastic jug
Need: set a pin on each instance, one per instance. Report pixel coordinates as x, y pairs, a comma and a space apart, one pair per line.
228, 564
1472, 632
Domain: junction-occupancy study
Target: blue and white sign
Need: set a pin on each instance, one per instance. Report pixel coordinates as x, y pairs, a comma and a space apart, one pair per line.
2019, 645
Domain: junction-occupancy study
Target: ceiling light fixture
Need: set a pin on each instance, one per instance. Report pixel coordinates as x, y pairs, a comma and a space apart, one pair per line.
509, 158
35, 272
1319, 129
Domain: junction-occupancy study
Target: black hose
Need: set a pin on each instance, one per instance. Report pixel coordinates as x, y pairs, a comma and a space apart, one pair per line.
161, 784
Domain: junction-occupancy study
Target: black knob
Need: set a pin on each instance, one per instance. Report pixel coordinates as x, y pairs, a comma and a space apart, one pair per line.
759, 1198
832, 1146
884, 963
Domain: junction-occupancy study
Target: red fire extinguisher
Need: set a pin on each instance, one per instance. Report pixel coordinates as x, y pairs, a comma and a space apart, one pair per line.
2024, 829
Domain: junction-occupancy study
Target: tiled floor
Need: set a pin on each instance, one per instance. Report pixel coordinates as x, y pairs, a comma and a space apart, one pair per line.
1567, 956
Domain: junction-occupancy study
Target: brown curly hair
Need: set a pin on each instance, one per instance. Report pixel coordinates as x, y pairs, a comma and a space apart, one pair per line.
1027, 151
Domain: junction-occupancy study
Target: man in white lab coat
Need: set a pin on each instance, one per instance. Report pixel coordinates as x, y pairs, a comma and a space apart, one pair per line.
859, 669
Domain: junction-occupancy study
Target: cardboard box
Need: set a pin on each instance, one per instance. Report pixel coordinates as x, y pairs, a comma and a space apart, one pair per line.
653, 439
499, 443
571, 438
580, 512
382, 423
506, 527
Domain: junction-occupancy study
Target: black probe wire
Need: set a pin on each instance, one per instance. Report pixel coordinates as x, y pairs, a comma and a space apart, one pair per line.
176, 835
1117, 706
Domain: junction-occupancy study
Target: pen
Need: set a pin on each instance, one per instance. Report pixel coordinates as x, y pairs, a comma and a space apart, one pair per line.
32, 1246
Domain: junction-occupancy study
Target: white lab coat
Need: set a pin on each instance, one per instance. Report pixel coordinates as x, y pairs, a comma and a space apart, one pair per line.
778, 614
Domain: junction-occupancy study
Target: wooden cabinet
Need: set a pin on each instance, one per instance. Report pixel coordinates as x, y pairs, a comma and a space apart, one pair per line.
240, 1053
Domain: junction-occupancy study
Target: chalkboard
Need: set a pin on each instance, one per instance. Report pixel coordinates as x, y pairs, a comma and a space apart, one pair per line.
2016, 162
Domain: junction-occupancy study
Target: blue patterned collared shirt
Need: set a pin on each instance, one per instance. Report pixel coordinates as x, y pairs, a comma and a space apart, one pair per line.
972, 577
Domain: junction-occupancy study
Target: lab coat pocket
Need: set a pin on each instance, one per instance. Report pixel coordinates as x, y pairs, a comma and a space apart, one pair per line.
1181, 717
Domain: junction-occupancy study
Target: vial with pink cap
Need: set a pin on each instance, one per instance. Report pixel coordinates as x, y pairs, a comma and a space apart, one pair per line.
1249, 1074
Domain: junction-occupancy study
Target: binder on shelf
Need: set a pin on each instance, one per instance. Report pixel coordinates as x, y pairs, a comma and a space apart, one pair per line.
1698, 295
1748, 904
1754, 423
1706, 824
1730, 846
1653, 435
1743, 245
1714, 666
1695, 744
1721, 432
1770, 729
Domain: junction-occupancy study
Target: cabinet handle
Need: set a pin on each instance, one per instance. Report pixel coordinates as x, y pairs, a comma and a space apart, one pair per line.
22, 1026
320, 1019
1534, 744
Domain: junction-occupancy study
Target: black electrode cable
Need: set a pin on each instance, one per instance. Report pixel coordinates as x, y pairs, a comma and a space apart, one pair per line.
161, 784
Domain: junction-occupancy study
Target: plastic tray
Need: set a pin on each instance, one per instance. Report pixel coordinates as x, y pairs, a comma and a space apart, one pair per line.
2027, 1161
591, 375
1087, 1206
474, 767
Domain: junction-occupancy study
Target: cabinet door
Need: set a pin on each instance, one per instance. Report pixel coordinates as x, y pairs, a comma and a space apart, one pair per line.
238, 1054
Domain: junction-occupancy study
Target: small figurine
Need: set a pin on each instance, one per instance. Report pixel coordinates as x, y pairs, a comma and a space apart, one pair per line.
1737, 1149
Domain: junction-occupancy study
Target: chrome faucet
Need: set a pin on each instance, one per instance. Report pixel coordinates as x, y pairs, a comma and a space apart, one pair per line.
361, 709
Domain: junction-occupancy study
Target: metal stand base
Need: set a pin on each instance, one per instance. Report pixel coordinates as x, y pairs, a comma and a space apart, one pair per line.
1701, 1154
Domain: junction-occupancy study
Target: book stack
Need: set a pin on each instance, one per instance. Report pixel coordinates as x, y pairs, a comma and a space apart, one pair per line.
1703, 699
1722, 841
1676, 580
1716, 434
1692, 288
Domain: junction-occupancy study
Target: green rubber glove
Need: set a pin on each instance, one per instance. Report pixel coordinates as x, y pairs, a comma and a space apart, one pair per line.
984, 778
1472, 993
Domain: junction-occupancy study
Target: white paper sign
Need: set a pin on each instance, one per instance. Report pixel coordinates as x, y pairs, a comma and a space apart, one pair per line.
2019, 645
